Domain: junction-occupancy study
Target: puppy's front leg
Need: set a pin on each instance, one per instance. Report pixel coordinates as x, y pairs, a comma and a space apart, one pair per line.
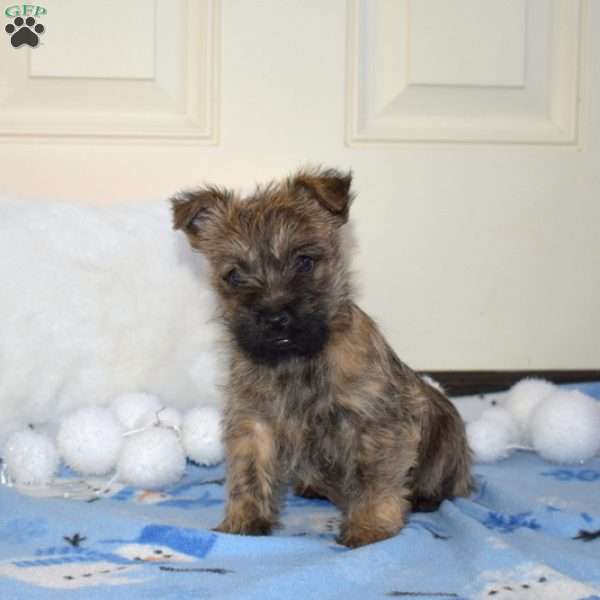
379, 503
252, 477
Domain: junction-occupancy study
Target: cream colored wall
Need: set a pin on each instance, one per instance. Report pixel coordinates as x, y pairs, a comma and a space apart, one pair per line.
477, 172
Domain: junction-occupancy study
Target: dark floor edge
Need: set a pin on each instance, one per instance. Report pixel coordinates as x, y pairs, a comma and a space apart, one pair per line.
458, 383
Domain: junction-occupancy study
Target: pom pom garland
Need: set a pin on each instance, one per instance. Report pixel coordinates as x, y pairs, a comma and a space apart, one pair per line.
151, 459
504, 420
147, 443
143, 442
562, 426
89, 440
493, 436
523, 398
169, 417
489, 440
136, 410
202, 435
565, 427
31, 458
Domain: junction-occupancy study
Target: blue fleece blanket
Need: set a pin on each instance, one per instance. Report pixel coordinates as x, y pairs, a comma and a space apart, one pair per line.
531, 530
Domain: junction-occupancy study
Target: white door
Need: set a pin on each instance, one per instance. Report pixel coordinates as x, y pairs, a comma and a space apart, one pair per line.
472, 128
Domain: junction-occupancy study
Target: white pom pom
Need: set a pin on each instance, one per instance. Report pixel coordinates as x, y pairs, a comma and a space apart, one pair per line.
202, 435
169, 417
10, 426
505, 420
565, 427
151, 459
31, 458
523, 398
431, 382
89, 440
136, 410
489, 439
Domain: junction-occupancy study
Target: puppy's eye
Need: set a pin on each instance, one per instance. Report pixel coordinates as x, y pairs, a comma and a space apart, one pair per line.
233, 278
304, 264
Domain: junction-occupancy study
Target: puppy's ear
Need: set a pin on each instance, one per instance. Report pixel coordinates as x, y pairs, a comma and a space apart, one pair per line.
330, 188
196, 211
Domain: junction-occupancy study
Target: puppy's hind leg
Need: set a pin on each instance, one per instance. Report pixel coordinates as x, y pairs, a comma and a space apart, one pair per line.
378, 506
444, 469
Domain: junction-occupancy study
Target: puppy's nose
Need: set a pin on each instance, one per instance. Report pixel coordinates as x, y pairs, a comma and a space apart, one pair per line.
279, 320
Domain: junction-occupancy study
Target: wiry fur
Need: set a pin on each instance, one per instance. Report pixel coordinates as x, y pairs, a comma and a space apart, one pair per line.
321, 401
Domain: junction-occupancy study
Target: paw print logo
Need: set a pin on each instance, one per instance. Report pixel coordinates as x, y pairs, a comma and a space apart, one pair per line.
24, 31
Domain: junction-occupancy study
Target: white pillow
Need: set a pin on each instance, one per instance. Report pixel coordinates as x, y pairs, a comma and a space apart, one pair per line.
97, 301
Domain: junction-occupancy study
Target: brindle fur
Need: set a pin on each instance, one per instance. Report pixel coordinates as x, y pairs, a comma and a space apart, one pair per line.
333, 410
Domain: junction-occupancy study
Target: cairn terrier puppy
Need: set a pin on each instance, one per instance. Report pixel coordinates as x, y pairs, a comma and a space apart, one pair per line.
316, 397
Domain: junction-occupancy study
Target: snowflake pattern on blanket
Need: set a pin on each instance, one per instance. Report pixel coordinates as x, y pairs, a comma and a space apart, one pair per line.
78, 564
531, 530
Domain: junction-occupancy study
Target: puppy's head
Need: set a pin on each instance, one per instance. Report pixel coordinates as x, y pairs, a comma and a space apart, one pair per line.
276, 259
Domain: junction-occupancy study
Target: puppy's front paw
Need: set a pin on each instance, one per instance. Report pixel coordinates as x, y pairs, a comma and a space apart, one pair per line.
354, 537
245, 526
